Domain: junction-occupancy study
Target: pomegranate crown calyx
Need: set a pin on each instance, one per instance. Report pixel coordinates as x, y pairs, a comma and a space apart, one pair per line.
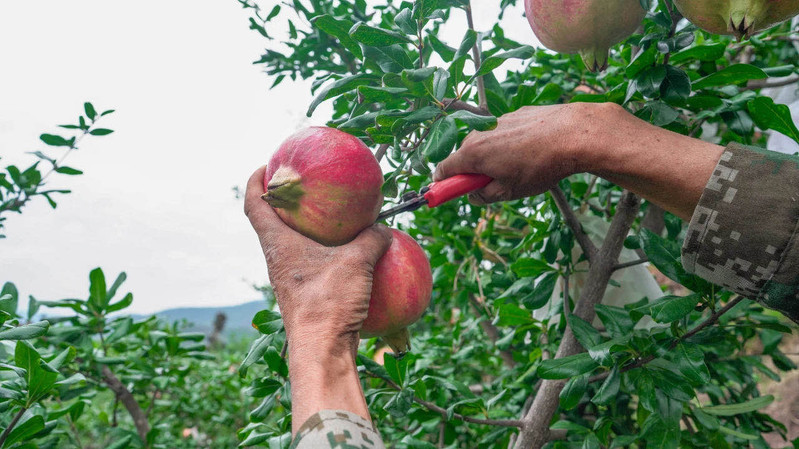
284, 189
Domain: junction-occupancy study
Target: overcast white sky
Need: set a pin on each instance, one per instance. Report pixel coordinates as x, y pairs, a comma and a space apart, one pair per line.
194, 118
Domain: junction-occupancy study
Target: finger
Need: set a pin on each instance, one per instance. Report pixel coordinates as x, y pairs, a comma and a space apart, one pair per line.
371, 243
462, 161
491, 193
262, 217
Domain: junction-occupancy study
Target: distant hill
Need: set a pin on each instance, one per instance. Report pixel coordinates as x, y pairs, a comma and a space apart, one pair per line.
239, 317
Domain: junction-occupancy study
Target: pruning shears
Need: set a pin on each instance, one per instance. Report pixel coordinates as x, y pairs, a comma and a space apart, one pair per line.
438, 193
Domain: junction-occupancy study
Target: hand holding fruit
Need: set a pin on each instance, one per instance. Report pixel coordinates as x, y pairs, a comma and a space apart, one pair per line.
323, 292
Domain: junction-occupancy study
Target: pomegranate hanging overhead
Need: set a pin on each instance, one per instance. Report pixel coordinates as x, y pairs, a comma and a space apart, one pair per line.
742, 18
588, 27
325, 184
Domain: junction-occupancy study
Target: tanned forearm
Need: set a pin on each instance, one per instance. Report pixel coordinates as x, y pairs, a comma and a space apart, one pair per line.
666, 168
324, 378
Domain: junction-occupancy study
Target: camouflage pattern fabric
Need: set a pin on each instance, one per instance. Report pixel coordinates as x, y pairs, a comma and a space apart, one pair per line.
743, 234
337, 429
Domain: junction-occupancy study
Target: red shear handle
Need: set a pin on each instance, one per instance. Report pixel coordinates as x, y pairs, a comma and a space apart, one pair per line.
442, 191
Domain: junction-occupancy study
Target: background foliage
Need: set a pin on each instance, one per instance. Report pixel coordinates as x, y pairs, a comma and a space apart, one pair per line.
499, 336
480, 356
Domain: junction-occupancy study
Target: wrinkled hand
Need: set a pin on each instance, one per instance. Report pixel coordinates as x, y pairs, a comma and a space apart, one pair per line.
531, 149
323, 292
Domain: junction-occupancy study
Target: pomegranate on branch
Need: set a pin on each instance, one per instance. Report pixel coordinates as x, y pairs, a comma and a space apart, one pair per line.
588, 27
742, 18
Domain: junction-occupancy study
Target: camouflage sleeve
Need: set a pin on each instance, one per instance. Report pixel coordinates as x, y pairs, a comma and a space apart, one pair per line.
743, 234
330, 429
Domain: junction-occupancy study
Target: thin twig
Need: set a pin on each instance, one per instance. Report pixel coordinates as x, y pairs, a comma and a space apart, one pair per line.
458, 105
573, 223
481, 89
643, 361
566, 304
381, 151
631, 264
752, 85
11, 425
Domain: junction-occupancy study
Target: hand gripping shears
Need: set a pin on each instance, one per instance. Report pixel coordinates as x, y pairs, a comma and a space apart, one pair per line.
438, 193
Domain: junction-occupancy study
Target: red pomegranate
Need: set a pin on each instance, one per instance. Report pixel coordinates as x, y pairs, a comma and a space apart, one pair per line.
588, 27
401, 291
739, 17
325, 184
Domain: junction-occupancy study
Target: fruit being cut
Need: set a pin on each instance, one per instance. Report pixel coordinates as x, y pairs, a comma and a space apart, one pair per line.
588, 27
325, 184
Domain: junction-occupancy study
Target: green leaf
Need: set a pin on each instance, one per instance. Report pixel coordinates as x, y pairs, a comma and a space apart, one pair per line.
492, 62
376, 37
101, 132
617, 321
550, 94
475, 121
769, 115
373, 367
54, 140
737, 409
267, 322
566, 367
9, 298
648, 81
24, 430
676, 86
440, 79
690, 360
541, 292
97, 291
64, 170
126, 301
529, 267
710, 52
671, 308
734, 74
609, 389
642, 60
737, 434
399, 405
573, 391
372, 94
121, 443
468, 41
90, 112
396, 368
255, 353
404, 21
25, 332
260, 388
512, 315
417, 75
340, 29
112, 291
584, 332
338, 87
441, 140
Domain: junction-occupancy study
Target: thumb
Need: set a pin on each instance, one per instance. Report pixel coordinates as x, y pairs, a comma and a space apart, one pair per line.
371, 243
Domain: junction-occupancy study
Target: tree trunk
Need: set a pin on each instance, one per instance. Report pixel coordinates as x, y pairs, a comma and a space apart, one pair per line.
127, 399
535, 428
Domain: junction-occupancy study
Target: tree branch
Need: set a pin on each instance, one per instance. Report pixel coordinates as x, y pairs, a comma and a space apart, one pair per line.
643, 361
535, 423
127, 399
762, 84
458, 105
11, 425
481, 89
381, 151
630, 264
588, 247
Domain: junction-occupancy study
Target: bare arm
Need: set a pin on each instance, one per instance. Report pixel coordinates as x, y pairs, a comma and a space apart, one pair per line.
323, 294
535, 147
